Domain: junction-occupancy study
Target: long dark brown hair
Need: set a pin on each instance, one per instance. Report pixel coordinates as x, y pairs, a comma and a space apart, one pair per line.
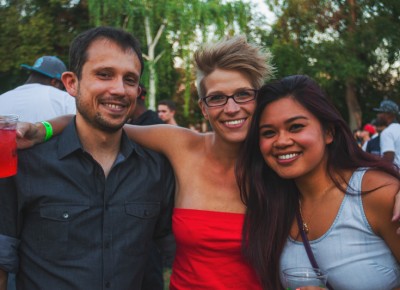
273, 201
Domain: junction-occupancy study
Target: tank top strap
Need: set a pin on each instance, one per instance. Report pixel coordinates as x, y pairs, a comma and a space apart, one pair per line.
354, 186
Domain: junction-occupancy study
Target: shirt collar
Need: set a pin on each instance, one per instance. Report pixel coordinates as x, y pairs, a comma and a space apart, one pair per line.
69, 142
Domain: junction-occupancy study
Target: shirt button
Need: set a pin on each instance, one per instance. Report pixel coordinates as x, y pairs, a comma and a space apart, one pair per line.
65, 215
108, 284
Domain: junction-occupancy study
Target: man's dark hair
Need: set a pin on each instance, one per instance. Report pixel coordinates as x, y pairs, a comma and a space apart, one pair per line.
79, 46
38, 78
170, 104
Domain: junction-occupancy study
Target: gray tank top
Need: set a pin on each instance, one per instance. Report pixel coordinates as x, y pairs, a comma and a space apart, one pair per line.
352, 254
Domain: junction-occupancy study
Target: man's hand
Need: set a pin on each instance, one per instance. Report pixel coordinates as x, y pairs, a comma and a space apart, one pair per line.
29, 134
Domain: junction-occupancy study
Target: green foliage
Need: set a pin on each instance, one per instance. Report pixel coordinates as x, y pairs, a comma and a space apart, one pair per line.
34, 28
338, 43
332, 41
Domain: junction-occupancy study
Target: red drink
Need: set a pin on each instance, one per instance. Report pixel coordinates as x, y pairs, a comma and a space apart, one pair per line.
8, 153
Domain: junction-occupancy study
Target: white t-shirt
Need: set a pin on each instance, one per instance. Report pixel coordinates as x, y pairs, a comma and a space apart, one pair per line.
36, 102
390, 141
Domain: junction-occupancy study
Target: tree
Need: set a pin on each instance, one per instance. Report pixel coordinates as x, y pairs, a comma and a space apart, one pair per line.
34, 28
171, 27
349, 46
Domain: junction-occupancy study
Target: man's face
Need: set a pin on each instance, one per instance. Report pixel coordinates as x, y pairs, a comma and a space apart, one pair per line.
384, 118
164, 113
107, 91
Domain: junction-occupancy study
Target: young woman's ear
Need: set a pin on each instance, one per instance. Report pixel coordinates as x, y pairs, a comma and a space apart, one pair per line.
329, 135
203, 108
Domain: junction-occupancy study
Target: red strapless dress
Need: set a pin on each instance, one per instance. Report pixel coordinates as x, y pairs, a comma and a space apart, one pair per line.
208, 252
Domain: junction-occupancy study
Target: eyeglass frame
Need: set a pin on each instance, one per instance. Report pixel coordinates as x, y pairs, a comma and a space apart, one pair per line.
230, 97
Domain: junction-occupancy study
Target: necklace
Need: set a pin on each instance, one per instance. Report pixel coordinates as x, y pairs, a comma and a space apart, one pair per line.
306, 229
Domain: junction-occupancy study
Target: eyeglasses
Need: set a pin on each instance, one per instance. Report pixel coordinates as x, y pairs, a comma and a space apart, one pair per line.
239, 97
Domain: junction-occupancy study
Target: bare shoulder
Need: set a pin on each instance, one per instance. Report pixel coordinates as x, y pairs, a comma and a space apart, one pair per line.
378, 181
381, 189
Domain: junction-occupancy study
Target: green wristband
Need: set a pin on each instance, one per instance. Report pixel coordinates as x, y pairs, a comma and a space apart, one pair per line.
49, 130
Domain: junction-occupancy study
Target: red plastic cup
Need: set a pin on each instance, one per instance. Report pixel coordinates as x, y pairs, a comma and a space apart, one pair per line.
8, 145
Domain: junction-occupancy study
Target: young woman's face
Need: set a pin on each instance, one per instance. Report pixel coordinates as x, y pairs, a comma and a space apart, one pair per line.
292, 141
232, 120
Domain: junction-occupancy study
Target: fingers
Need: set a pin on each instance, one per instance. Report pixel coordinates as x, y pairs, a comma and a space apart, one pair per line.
396, 210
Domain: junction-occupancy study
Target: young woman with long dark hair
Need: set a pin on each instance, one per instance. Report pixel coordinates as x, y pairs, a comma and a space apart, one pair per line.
300, 157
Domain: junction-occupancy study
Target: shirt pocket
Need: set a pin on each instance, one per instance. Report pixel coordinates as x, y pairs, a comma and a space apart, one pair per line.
53, 238
141, 219
143, 210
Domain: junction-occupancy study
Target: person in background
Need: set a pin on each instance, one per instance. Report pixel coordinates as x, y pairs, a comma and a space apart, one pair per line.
302, 174
373, 145
388, 112
166, 110
368, 132
141, 114
42, 96
85, 206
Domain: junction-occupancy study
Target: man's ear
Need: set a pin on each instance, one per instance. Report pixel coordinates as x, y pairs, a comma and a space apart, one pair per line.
203, 108
70, 81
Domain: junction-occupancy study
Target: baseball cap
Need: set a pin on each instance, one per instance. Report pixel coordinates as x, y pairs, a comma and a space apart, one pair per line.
387, 106
50, 66
370, 129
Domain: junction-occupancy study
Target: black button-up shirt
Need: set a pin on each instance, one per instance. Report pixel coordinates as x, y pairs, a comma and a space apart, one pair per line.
78, 229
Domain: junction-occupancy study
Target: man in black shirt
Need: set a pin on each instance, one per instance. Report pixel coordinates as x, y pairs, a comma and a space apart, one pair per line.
84, 206
141, 115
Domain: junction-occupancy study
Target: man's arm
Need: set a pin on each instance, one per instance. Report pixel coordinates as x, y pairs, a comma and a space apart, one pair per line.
3, 280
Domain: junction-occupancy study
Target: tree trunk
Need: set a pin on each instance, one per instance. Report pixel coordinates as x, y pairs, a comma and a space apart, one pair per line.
353, 105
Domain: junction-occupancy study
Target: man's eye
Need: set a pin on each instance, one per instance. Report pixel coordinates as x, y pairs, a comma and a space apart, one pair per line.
131, 81
104, 74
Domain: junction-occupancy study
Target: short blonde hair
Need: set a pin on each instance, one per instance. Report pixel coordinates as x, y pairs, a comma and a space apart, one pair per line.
233, 53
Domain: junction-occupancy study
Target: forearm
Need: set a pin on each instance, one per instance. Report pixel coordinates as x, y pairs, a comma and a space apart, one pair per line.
29, 134
3, 280
58, 124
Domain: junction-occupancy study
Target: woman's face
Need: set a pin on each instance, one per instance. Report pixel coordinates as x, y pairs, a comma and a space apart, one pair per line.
292, 141
232, 120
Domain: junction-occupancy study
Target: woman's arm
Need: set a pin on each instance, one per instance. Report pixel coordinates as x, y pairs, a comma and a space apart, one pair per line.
166, 139
378, 207
29, 134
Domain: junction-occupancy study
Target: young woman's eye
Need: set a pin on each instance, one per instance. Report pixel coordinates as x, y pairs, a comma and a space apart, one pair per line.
267, 133
296, 127
216, 98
